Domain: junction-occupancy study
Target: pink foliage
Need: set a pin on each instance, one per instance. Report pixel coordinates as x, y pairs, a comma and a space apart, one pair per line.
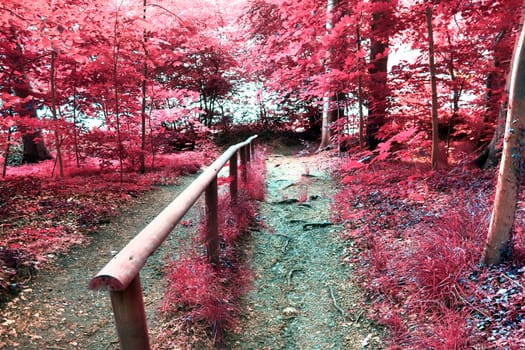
200, 293
419, 237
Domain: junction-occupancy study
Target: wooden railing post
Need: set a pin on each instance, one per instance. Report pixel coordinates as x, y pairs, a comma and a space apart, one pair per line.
233, 178
212, 222
130, 317
248, 153
244, 166
252, 145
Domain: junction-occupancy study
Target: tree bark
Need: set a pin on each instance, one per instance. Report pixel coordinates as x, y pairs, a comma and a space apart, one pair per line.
495, 111
360, 89
34, 147
75, 131
489, 157
7, 151
431, 63
116, 48
328, 98
498, 245
144, 97
58, 142
378, 89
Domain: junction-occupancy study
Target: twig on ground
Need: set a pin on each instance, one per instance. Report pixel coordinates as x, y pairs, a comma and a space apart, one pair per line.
335, 303
516, 283
317, 225
290, 275
286, 201
281, 235
359, 316
481, 312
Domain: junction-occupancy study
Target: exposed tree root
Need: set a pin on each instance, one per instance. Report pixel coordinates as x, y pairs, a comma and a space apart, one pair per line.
290, 275
334, 301
316, 225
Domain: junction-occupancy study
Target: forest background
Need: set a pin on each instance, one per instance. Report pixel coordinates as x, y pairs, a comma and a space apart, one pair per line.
404, 87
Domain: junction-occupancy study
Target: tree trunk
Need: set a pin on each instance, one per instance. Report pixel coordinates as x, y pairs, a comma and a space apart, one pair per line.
360, 90
58, 142
498, 245
7, 151
495, 111
378, 89
435, 135
75, 131
456, 95
489, 157
116, 48
328, 113
144, 97
34, 148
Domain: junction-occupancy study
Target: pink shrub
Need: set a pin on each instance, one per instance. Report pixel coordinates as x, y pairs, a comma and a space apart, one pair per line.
206, 295
417, 241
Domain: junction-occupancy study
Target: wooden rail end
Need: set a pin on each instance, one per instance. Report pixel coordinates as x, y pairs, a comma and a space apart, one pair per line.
105, 282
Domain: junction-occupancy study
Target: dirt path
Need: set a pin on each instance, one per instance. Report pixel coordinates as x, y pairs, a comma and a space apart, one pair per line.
302, 297
59, 312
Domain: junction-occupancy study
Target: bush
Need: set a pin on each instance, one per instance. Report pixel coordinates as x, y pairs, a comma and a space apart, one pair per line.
418, 238
201, 296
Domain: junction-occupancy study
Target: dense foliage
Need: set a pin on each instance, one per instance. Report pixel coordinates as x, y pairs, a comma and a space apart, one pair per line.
103, 90
417, 253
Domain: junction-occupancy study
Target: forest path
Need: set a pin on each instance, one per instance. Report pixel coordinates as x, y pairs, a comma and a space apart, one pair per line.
302, 296
295, 258
58, 312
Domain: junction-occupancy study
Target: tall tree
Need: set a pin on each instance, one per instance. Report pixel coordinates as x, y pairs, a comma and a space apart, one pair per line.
328, 111
499, 238
378, 90
435, 134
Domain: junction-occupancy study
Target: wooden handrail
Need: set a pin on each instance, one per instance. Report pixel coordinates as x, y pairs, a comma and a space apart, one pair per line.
121, 274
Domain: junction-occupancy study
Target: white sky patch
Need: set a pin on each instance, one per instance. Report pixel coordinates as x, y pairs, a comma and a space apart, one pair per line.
402, 53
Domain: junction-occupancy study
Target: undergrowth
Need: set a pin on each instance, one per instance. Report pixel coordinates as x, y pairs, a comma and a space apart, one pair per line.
41, 216
415, 239
201, 300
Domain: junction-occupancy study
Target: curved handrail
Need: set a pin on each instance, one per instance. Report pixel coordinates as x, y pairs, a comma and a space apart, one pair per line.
120, 271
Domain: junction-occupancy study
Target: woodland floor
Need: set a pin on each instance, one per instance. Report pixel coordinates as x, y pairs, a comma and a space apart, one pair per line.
58, 312
302, 297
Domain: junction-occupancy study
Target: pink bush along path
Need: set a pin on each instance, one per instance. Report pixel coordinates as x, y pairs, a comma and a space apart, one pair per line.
203, 296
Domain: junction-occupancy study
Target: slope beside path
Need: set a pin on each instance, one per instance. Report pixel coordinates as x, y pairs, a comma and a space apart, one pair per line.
58, 312
302, 296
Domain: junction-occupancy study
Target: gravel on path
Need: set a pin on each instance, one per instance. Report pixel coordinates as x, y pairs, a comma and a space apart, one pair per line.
302, 296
